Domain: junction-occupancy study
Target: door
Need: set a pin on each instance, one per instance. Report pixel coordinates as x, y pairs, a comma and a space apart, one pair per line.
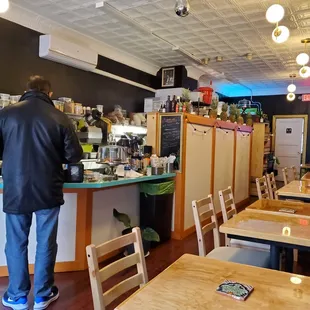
289, 143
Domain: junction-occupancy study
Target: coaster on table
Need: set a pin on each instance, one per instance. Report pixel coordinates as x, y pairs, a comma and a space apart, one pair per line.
235, 290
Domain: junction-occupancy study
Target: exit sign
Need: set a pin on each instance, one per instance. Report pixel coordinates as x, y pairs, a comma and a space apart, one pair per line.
306, 97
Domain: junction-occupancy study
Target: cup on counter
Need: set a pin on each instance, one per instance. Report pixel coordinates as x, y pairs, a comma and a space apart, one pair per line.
100, 108
169, 168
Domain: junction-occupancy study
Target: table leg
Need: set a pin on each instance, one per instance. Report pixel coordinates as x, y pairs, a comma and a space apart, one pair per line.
274, 257
289, 260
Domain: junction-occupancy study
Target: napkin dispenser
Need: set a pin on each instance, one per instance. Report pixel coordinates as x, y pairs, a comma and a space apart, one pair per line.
74, 173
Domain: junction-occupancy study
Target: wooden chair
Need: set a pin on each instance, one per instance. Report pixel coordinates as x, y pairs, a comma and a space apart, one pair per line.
229, 209
97, 276
272, 186
205, 221
285, 175
295, 174
262, 188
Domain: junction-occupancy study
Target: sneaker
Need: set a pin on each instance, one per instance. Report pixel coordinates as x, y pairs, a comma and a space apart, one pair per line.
41, 303
19, 304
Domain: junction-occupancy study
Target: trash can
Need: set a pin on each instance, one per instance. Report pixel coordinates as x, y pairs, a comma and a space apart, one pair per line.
156, 202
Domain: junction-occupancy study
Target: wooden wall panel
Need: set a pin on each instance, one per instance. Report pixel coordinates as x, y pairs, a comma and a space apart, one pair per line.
197, 168
224, 162
242, 181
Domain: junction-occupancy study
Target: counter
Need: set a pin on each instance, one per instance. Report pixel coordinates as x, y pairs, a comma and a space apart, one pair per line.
85, 218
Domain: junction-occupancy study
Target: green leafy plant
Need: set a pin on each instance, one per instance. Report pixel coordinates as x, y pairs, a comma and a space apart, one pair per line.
186, 95
148, 234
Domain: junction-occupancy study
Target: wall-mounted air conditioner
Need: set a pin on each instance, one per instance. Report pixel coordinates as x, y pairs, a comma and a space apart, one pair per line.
68, 53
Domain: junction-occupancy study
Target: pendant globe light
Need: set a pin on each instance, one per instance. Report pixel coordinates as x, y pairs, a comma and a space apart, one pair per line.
304, 72
4, 6
291, 88
290, 96
275, 13
280, 34
303, 58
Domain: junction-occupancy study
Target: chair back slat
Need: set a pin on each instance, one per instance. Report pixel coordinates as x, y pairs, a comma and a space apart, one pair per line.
121, 264
115, 244
100, 299
231, 213
272, 185
205, 221
262, 188
208, 227
121, 288
285, 175
227, 203
295, 174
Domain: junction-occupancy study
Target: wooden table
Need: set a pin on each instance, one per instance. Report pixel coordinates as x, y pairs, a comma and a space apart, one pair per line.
296, 190
269, 206
190, 284
306, 177
304, 167
279, 231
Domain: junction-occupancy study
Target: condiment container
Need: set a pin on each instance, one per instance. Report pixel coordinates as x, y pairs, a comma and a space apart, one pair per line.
157, 170
78, 108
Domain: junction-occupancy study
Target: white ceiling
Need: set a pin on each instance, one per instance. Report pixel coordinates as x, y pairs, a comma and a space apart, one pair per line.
228, 28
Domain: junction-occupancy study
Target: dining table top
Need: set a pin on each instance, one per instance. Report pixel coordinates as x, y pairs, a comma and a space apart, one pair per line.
191, 283
278, 207
271, 227
298, 189
306, 177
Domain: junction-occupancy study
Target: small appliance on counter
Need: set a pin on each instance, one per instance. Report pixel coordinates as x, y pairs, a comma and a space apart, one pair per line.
74, 173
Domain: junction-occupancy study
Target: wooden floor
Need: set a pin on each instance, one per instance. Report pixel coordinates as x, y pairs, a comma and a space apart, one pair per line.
75, 290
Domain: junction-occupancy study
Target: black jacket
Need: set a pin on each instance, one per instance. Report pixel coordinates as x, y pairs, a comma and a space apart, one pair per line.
35, 140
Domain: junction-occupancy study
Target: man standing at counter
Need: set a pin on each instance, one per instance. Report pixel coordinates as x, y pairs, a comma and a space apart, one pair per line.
35, 140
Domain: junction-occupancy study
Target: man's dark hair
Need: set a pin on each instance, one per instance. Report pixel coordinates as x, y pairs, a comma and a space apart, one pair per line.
39, 83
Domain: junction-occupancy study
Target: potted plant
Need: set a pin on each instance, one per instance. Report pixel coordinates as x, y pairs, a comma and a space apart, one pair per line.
213, 112
148, 234
232, 113
239, 117
249, 119
223, 115
186, 96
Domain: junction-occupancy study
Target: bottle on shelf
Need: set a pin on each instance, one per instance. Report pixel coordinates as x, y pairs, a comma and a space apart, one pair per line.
173, 104
180, 106
177, 106
168, 105
164, 108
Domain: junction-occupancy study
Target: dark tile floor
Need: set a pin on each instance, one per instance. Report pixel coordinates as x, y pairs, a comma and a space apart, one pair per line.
75, 288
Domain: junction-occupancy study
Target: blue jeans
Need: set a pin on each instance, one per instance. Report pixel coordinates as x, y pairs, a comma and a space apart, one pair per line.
16, 250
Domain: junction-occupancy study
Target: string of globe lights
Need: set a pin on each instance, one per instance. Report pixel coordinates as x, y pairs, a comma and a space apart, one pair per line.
274, 15
291, 89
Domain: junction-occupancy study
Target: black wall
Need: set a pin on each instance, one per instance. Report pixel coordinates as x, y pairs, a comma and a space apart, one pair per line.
19, 50
279, 105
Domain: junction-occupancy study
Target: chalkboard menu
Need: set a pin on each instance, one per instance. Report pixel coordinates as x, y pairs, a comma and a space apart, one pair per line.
171, 134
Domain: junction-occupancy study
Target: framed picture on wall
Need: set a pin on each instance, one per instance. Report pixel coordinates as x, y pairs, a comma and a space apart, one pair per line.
168, 77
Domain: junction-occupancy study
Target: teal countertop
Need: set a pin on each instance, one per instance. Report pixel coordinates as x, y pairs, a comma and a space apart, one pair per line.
119, 182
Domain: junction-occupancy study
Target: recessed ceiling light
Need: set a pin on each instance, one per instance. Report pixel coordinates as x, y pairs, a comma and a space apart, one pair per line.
205, 61
249, 56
